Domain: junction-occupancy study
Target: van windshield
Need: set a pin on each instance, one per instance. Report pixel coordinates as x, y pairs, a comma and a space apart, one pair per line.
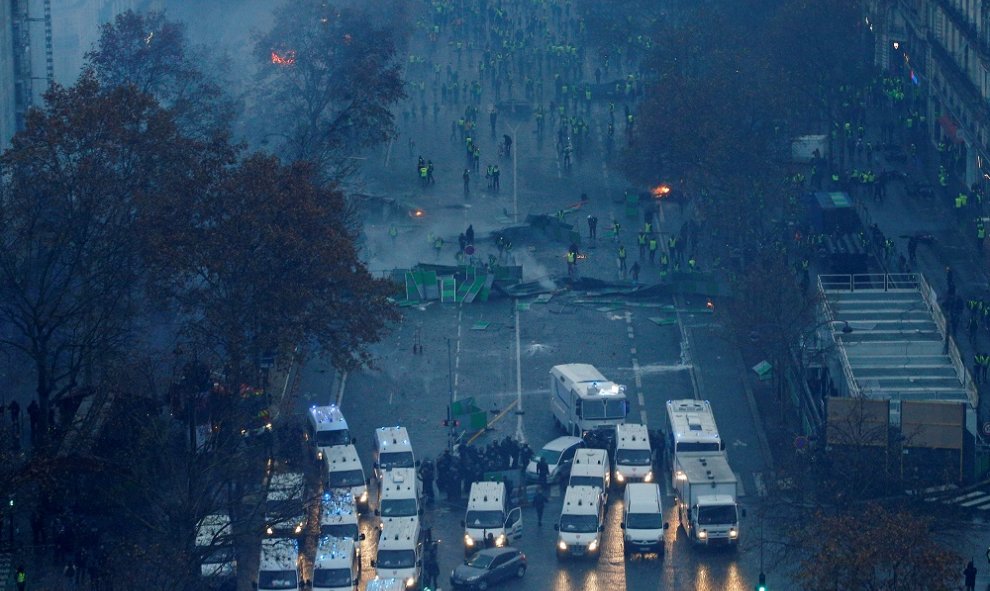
700, 446
578, 524
340, 530
717, 515
395, 459
604, 409
398, 507
284, 508
218, 555
331, 437
396, 559
332, 577
484, 519
277, 579
587, 481
644, 521
633, 457
343, 478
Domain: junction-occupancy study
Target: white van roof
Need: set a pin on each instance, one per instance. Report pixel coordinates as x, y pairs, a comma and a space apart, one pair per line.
486, 494
581, 500
392, 439
643, 497
285, 485
213, 529
334, 553
339, 458
401, 534
378, 584
589, 462
586, 380
327, 418
632, 436
338, 506
279, 554
399, 483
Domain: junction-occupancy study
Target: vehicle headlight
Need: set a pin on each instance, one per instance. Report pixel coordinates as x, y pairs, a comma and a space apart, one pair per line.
364, 497
500, 541
648, 477
299, 528
468, 540
268, 530
562, 546
593, 545
681, 476
319, 456
410, 582
733, 534
620, 477
702, 535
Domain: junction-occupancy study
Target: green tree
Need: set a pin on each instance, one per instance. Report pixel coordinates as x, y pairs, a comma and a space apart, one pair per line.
154, 54
264, 262
68, 263
328, 78
874, 548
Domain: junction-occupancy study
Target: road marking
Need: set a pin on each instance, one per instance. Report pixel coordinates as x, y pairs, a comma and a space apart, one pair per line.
981, 500
962, 498
520, 434
642, 417
637, 378
340, 391
457, 355
686, 348
642, 400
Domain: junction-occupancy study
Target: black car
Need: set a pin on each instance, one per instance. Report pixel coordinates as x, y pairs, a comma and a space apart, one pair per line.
489, 567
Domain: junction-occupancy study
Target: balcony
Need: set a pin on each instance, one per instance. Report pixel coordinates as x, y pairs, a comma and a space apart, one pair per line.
960, 82
966, 28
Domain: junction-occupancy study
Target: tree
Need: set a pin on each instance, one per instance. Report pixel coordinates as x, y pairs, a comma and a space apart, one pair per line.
153, 53
68, 261
328, 79
264, 262
872, 547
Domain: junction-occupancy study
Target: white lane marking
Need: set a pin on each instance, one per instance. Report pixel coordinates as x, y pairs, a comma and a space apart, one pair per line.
340, 391
642, 417
520, 434
641, 399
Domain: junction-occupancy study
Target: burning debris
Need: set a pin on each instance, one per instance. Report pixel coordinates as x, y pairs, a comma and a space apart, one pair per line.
660, 191
286, 58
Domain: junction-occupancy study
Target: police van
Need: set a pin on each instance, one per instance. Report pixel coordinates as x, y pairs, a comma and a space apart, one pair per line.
336, 565
582, 520
591, 468
279, 567
642, 519
400, 553
691, 428
214, 546
343, 470
399, 496
326, 428
633, 454
285, 511
339, 516
392, 449
583, 400
487, 513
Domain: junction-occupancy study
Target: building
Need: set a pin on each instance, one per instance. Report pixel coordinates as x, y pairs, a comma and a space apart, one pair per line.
942, 50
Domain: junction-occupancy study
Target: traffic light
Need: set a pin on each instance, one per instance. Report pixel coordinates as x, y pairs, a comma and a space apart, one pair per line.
762, 584
451, 422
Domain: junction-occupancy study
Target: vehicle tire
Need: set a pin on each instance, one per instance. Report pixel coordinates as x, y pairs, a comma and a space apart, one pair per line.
520, 571
482, 585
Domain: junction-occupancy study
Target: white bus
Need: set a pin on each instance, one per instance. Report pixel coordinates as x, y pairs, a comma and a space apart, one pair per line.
582, 399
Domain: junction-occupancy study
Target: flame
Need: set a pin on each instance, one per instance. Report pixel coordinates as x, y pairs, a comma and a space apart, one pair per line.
710, 304
417, 213
660, 191
286, 58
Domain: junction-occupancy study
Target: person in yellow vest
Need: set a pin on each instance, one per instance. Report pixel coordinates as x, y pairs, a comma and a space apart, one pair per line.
571, 264
393, 232
641, 241
653, 249
622, 260
21, 578
981, 234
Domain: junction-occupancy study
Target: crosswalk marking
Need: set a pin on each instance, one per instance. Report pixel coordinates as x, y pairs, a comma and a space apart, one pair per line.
965, 497
981, 500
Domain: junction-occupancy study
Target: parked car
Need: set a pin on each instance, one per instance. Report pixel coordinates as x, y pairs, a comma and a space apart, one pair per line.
488, 567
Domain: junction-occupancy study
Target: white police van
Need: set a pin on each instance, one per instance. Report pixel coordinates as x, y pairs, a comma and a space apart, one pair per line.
336, 565
591, 468
399, 496
214, 545
285, 511
487, 513
582, 518
343, 470
642, 519
392, 449
279, 565
326, 428
339, 516
400, 553
633, 455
